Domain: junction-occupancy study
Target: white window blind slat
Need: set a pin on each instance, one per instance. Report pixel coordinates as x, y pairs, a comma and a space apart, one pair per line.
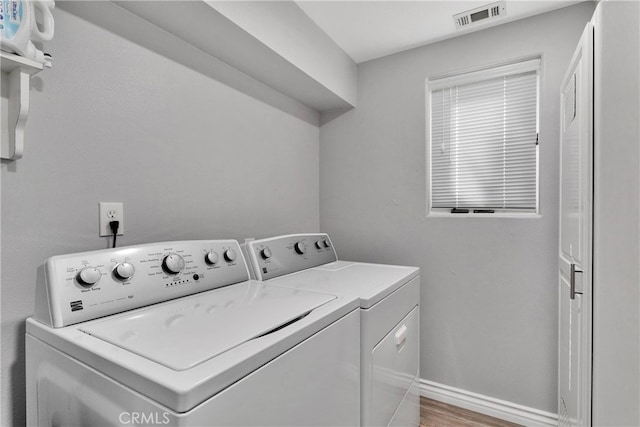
483, 139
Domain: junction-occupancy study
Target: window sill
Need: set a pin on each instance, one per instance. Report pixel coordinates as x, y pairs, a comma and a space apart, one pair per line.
485, 215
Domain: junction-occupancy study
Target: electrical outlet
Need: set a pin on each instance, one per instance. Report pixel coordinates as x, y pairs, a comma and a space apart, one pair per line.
110, 212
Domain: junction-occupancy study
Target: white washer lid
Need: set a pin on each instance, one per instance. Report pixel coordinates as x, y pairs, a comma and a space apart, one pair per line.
186, 332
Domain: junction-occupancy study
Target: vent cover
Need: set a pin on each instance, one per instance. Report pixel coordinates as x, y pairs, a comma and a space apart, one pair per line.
481, 14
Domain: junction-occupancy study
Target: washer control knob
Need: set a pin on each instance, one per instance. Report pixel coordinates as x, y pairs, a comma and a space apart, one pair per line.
211, 257
230, 255
89, 276
173, 264
124, 271
300, 248
319, 244
265, 253
326, 243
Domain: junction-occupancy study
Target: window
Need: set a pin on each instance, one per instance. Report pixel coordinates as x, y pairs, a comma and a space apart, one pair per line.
483, 140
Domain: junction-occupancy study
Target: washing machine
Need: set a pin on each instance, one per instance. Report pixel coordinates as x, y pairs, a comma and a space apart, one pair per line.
389, 298
176, 334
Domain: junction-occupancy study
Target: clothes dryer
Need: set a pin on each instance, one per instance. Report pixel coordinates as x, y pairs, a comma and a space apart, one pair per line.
389, 298
175, 334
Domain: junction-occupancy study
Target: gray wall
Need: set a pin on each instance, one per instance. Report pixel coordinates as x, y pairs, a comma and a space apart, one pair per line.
616, 246
189, 157
489, 285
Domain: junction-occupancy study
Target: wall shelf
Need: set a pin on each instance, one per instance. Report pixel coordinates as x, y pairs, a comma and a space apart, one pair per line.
16, 73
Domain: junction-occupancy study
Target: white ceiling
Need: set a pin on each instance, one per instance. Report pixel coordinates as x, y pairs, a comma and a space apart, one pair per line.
369, 29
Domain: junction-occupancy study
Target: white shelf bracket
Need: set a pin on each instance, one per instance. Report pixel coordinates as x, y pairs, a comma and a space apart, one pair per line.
13, 146
16, 72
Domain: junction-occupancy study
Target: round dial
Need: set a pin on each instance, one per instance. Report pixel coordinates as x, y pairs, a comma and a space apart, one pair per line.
211, 257
319, 244
300, 247
265, 253
173, 264
326, 243
230, 255
124, 271
89, 276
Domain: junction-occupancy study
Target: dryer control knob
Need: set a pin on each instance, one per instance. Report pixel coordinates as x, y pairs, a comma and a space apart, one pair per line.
230, 255
326, 243
124, 271
319, 244
89, 276
173, 264
265, 253
300, 248
211, 257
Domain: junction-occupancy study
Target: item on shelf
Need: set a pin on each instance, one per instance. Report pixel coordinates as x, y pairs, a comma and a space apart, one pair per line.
19, 27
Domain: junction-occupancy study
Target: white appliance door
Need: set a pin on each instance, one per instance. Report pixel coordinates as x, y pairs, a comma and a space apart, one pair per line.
394, 368
575, 258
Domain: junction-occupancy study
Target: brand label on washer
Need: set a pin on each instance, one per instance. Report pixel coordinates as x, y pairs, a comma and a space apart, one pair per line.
76, 305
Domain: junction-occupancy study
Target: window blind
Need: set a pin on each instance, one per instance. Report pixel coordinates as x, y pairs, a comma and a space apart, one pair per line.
484, 129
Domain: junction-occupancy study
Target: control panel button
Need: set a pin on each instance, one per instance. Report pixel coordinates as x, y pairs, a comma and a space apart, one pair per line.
89, 276
265, 253
300, 248
319, 244
230, 255
173, 264
326, 243
212, 258
124, 271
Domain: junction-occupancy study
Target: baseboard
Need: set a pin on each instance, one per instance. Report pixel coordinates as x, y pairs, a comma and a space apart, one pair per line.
497, 408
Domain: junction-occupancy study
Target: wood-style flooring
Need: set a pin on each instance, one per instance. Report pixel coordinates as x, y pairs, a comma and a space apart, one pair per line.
437, 414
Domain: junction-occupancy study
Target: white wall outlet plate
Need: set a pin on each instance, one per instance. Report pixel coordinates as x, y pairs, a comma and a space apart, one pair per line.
110, 212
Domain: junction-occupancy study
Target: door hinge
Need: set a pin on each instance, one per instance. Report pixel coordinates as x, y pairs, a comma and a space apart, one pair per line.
572, 283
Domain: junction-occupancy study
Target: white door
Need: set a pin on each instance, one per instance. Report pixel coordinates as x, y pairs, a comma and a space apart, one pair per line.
575, 260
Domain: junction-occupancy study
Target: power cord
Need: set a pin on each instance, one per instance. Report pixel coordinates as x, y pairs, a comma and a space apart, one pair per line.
114, 225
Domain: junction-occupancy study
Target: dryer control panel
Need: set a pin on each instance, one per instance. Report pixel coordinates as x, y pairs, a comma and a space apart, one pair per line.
277, 256
88, 285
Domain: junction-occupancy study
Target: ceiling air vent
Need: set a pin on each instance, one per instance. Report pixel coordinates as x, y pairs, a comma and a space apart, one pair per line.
480, 14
